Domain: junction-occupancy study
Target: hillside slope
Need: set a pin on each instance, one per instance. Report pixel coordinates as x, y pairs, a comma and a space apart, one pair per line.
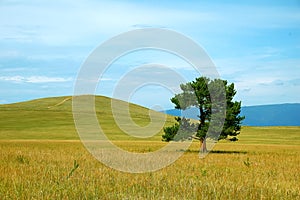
52, 118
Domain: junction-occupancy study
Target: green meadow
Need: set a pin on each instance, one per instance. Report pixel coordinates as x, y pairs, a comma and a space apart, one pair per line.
41, 157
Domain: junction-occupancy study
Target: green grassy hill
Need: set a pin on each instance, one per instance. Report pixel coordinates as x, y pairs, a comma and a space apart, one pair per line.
52, 118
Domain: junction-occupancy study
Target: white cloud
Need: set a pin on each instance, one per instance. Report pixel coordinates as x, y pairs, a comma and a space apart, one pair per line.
262, 81
34, 79
12, 78
45, 79
106, 79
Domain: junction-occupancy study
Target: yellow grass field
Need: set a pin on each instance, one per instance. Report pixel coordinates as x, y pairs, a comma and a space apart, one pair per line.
39, 153
32, 169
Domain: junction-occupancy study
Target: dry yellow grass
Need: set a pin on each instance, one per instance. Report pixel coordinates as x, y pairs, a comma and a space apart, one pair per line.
32, 169
38, 147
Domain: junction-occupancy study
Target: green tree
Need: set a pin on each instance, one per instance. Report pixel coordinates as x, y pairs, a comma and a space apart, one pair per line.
214, 99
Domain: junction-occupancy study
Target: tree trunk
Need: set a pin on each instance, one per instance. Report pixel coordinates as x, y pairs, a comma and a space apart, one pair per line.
203, 148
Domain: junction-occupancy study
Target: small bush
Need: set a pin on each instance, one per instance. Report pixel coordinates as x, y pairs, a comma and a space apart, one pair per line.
22, 160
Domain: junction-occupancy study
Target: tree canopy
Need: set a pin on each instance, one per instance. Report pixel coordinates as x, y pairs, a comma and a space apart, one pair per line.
214, 99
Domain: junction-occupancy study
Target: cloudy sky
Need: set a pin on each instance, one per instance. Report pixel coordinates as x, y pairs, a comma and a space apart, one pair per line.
254, 44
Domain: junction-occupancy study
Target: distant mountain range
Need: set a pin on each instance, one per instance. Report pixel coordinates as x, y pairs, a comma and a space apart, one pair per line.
262, 115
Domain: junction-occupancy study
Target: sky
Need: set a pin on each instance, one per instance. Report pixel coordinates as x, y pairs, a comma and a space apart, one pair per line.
253, 44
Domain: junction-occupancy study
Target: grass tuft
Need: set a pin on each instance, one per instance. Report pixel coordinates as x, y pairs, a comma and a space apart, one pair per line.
247, 162
22, 159
75, 166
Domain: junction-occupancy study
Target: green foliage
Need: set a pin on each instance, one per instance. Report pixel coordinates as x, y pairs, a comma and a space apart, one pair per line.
180, 130
214, 99
170, 132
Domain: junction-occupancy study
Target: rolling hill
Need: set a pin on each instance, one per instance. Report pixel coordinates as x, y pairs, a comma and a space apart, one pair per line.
52, 118
262, 115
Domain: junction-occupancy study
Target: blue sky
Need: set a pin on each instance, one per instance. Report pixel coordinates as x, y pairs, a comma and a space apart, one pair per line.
254, 44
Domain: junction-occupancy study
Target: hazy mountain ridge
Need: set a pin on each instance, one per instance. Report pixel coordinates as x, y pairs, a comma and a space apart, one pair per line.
261, 115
